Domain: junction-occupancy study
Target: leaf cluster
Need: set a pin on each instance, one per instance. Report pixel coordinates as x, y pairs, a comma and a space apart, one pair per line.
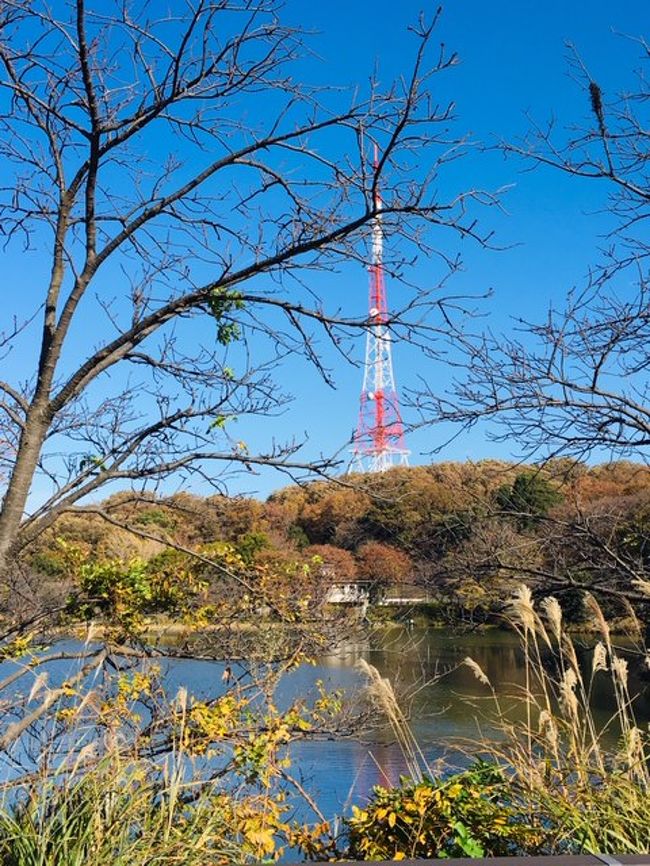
468, 814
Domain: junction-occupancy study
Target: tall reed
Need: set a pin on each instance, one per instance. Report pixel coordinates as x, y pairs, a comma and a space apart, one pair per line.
571, 784
587, 794
381, 691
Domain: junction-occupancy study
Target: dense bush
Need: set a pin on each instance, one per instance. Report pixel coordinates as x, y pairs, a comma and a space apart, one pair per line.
469, 814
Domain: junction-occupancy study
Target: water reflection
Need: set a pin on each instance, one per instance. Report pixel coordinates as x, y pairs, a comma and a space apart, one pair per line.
448, 706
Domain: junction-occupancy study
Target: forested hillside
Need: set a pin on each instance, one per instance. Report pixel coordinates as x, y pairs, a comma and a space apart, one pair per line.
468, 532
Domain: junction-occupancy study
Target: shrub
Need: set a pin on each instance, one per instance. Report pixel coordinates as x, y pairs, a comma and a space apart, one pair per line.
468, 814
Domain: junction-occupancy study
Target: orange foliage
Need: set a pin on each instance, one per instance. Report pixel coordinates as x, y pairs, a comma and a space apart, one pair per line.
331, 563
383, 564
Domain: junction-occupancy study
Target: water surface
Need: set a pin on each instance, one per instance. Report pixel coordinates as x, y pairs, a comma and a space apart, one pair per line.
448, 708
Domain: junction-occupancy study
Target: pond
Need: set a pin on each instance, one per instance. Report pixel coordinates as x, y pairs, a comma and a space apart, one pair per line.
445, 702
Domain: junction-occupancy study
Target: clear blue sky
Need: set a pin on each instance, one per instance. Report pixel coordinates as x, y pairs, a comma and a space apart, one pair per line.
513, 61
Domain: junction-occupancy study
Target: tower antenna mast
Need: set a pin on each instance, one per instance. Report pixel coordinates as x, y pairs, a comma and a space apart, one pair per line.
378, 442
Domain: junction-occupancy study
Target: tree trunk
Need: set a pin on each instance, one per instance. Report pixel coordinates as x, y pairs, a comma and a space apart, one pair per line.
13, 507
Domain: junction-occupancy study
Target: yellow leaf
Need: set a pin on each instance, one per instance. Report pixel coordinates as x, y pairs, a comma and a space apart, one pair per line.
262, 838
392, 818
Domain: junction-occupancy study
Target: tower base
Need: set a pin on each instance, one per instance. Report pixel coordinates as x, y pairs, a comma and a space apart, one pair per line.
378, 461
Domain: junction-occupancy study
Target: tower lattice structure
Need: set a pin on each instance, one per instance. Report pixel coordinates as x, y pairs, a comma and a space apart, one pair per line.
378, 441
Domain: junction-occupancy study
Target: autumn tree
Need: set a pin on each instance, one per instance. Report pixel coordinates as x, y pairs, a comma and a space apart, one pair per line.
331, 563
382, 564
333, 514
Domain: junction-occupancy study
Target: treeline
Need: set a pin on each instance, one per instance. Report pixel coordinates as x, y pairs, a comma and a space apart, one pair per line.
468, 532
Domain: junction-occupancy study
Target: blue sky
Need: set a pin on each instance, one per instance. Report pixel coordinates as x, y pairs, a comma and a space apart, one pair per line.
513, 61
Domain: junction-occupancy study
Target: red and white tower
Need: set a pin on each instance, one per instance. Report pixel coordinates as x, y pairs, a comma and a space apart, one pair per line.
379, 438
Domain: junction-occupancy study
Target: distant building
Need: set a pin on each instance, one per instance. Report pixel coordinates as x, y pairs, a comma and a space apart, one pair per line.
404, 594
363, 592
349, 592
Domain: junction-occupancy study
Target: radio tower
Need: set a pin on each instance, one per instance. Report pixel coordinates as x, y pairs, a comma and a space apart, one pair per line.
379, 438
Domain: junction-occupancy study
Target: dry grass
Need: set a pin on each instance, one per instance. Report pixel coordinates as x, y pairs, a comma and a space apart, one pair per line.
125, 809
568, 785
588, 795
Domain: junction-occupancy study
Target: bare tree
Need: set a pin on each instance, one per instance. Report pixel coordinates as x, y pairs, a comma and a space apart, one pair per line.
170, 171
577, 384
598, 547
